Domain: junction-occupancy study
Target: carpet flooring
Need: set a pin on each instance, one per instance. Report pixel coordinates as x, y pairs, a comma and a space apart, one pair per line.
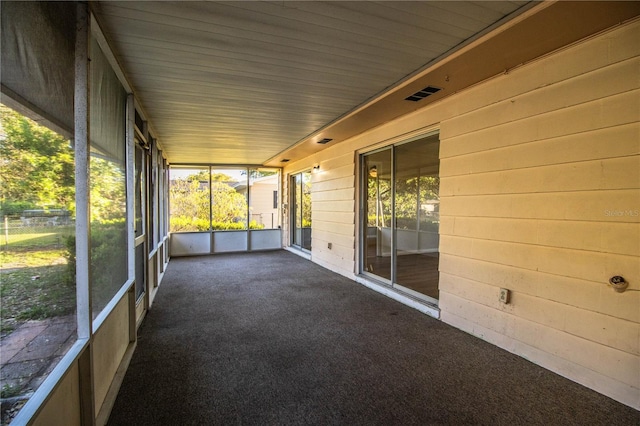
272, 339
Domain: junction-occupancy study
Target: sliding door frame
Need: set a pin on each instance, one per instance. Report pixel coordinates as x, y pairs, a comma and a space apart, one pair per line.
296, 213
391, 283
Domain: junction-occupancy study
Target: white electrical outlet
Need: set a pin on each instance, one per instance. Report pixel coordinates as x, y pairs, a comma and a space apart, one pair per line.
505, 295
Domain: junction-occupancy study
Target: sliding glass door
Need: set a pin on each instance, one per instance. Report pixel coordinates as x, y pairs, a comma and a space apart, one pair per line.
378, 214
141, 213
401, 219
417, 216
301, 210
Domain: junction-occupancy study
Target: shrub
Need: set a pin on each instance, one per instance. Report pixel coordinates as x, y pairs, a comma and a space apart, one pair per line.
255, 225
184, 223
70, 255
108, 258
15, 208
227, 226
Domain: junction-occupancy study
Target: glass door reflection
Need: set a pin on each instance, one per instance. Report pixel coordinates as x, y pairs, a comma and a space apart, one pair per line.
417, 213
378, 214
301, 210
401, 216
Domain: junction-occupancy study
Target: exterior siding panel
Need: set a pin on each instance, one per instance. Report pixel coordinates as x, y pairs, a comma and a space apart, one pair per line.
529, 187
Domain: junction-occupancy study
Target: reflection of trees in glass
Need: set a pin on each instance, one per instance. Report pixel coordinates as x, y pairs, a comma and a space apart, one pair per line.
429, 203
429, 188
406, 202
409, 204
301, 209
306, 200
379, 202
416, 198
36, 165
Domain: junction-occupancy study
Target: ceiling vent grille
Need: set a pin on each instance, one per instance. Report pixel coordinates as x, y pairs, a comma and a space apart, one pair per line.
324, 141
421, 94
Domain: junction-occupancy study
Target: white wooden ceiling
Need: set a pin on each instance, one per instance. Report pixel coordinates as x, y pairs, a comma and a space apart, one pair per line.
240, 82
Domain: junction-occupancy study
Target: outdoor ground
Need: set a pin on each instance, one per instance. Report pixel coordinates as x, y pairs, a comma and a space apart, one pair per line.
37, 310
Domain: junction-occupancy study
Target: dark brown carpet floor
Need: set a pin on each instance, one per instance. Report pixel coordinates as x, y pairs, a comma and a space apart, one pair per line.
272, 339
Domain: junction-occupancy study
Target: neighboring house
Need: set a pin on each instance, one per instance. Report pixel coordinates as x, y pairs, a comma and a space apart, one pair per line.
264, 201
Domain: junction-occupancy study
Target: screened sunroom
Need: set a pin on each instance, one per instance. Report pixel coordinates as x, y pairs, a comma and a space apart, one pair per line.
476, 161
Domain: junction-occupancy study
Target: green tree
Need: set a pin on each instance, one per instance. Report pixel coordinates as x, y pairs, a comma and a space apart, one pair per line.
306, 200
412, 193
258, 173
36, 164
227, 205
107, 190
189, 201
379, 202
191, 204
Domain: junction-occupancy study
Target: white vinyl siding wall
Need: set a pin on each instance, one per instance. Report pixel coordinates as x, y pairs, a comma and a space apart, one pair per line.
533, 163
531, 172
333, 216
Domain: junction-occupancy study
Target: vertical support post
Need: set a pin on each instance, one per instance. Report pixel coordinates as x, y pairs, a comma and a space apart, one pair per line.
394, 227
210, 206
85, 369
130, 183
81, 143
131, 233
211, 233
155, 199
83, 231
418, 212
248, 211
131, 296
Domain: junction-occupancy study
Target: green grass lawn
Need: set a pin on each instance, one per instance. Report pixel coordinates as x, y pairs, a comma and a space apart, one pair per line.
10, 260
32, 237
35, 282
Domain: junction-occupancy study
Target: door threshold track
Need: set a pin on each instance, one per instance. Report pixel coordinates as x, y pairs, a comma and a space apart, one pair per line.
421, 305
